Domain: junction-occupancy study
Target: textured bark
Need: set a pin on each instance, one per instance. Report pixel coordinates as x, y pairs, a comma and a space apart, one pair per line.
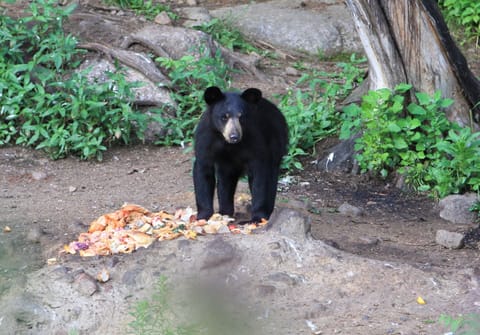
408, 41
385, 65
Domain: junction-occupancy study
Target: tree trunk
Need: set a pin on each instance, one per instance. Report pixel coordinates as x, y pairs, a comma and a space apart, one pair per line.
408, 41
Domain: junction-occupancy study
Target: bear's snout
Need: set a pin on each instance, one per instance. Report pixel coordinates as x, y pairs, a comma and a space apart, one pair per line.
233, 131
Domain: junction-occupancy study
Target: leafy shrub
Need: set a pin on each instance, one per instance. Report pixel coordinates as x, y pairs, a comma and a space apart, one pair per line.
435, 154
48, 106
190, 77
464, 13
457, 169
462, 325
146, 8
311, 111
224, 33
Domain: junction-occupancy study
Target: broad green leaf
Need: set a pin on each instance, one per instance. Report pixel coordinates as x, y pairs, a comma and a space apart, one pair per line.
393, 127
416, 109
399, 143
423, 98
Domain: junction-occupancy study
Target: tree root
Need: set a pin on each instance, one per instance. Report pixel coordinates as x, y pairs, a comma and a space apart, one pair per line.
132, 59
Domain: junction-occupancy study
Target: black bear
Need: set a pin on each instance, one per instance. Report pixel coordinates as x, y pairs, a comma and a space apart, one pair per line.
239, 133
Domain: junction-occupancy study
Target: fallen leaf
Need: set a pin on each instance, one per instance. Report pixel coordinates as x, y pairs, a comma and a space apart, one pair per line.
420, 301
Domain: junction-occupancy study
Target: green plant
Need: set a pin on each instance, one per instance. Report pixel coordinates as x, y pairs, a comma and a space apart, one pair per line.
462, 325
48, 105
310, 108
457, 169
146, 8
435, 154
190, 77
390, 137
476, 208
156, 317
222, 30
464, 13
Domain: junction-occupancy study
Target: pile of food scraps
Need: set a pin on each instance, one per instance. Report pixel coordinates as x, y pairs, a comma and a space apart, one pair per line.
133, 227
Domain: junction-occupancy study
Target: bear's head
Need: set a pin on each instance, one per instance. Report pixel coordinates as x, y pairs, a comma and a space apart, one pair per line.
228, 111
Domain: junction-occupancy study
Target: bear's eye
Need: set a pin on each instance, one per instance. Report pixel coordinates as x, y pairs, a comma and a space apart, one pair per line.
225, 117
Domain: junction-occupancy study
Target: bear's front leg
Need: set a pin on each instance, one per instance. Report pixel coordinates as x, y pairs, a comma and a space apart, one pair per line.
227, 184
204, 184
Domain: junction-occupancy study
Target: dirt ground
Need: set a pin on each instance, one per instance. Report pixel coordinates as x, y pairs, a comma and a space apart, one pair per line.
58, 199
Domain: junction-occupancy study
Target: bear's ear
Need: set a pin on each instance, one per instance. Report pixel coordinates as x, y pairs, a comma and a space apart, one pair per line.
252, 95
212, 95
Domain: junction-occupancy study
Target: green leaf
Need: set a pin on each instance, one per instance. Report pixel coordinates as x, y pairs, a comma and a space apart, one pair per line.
416, 109
444, 103
402, 88
399, 143
393, 127
423, 98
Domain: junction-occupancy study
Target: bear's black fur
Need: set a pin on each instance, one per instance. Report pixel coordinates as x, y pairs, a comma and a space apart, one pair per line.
238, 134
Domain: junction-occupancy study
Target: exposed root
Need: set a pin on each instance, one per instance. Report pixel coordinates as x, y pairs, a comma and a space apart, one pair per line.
132, 59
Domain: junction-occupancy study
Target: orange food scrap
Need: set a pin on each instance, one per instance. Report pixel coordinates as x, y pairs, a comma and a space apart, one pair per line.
133, 227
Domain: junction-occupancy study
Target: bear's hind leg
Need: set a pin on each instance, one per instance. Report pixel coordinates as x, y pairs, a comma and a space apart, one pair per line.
259, 180
272, 190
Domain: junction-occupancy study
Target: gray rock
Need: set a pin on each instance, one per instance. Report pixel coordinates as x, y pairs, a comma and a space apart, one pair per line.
148, 94
34, 234
289, 26
39, 175
286, 278
27, 312
194, 16
340, 157
449, 239
85, 284
290, 223
162, 18
456, 208
350, 210
173, 42
265, 290
219, 253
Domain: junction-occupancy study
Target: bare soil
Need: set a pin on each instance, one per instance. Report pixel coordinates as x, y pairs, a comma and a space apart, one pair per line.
58, 199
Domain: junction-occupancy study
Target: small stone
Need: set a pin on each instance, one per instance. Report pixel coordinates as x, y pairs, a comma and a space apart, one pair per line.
265, 290
85, 284
7, 229
290, 71
72, 189
286, 278
191, 2
34, 235
449, 239
39, 175
163, 19
52, 261
350, 210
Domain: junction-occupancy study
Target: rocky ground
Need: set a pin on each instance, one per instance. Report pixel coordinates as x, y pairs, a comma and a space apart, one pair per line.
314, 271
